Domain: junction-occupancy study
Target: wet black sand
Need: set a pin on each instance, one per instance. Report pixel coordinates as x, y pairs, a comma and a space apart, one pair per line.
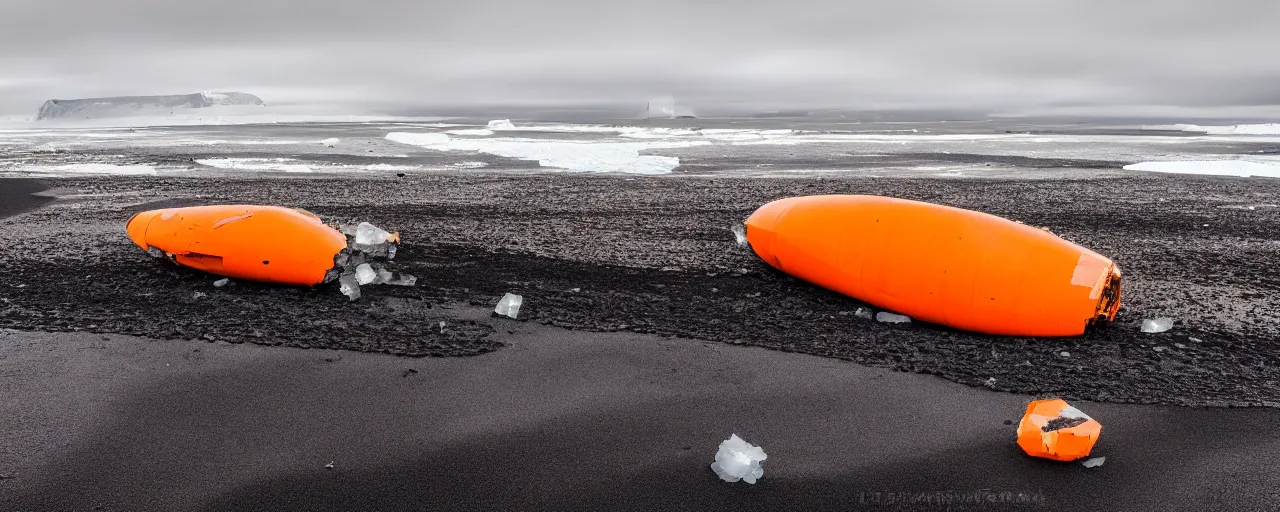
19, 195
654, 255
564, 420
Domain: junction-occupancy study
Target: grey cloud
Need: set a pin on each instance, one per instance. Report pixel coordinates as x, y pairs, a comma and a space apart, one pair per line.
866, 54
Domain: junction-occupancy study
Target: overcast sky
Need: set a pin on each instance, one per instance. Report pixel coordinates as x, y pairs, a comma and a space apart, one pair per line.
985, 54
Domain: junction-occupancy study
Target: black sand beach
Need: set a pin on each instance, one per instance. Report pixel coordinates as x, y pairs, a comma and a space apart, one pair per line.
624, 408
562, 420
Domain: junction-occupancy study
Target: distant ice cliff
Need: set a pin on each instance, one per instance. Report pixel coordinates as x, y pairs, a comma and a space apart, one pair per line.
123, 106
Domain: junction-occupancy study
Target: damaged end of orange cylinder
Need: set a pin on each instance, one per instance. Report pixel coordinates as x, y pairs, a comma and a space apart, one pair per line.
137, 227
1109, 299
1053, 429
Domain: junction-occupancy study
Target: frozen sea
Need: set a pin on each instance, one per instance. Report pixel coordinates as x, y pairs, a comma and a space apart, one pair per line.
760, 147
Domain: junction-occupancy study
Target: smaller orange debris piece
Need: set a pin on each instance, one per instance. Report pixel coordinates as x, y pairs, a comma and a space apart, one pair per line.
1053, 429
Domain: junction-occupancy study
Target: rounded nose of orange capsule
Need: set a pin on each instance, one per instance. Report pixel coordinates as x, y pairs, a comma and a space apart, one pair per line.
137, 227
762, 228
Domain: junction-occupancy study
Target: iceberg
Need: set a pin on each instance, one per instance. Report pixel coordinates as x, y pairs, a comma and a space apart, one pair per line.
500, 124
661, 108
478, 132
571, 155
122, 106
1239, 129
1241, 168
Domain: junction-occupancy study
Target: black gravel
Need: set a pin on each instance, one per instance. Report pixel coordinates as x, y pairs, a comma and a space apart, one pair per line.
655, 255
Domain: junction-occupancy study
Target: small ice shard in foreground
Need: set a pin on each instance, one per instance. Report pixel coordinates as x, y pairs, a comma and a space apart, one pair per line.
509, 305
1157, 325
365, 274
740, 234
1094, 462
864, 314
329, 465
892, 318
349, 286
330, 142
221, 282
738, 460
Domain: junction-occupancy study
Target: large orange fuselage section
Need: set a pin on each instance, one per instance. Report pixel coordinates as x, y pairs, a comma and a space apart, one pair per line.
259, 243
939, 264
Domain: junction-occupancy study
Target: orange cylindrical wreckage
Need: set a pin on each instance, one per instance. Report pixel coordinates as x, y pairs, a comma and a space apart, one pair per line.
1052, 429
259, 243
945, 265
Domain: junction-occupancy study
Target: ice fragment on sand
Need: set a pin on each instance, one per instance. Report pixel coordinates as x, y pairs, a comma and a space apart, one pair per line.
1064, 353
740, 234
330, 142
155, 253
509, 305
1094, 462
368, 234
365, 274
442, 327
221, 282
1157, 325
738, 460
199, 295
864, 313
892, 318
991, 383
398, 279
349, 286
329, 465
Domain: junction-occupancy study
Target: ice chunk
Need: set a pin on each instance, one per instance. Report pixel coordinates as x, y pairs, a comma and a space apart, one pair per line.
892, 318
221, 282
399, 279
349, 286
365, 274
331, 142
864, 313
199, 295
368, 234
740, 234
738, 460
1094, 462
509, 305
1064, 353
1157, 325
